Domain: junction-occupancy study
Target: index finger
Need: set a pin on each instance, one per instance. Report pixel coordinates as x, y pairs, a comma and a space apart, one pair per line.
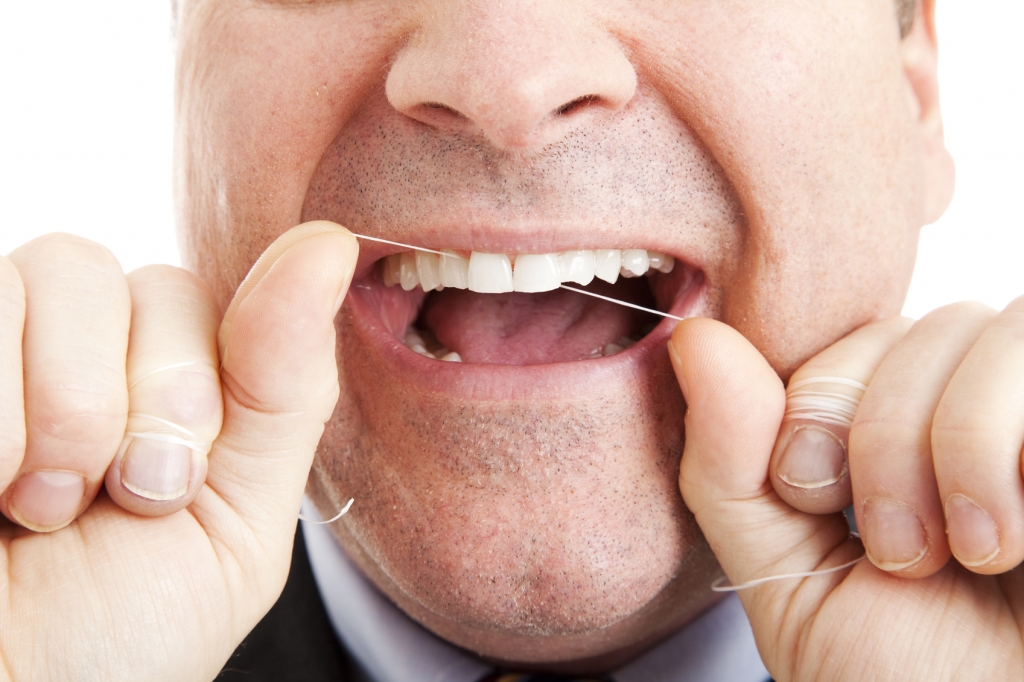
76, 331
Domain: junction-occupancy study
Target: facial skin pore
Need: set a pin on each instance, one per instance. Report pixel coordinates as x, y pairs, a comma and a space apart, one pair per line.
781, 149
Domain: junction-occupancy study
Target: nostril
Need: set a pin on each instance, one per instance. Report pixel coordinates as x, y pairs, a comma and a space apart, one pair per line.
576, 104
442, 107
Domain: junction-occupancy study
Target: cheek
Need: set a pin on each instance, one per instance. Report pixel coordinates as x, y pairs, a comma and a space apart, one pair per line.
824, 287
261, 91
559, 518
807, 115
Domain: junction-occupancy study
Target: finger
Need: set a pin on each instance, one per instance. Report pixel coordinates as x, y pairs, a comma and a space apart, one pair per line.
12, 406
279, 378
175, 406
977, 437
735, 406
810, 463
76, 334
896, 501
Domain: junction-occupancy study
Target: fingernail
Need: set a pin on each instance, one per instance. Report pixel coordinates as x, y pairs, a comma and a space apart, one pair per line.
973, 535
893, 534
156, 470
46, 500
814, 458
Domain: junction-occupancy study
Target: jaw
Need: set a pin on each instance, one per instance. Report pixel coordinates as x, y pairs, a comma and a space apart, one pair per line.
526, 512
550, 525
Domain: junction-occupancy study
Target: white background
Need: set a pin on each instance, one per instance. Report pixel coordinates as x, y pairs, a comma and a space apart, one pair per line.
85, 138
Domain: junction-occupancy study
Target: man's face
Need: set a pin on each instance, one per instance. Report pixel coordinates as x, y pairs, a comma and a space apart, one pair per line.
523, 503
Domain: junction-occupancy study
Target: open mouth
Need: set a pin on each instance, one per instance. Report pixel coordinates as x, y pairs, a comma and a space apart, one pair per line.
508, 309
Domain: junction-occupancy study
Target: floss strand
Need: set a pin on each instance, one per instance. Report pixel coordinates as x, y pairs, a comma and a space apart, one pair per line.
578, 291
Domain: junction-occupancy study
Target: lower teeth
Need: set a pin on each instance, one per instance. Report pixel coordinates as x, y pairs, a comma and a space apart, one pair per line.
420, 341
622, 344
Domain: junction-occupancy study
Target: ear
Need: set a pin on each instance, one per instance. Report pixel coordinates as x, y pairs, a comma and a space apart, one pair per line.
920, 60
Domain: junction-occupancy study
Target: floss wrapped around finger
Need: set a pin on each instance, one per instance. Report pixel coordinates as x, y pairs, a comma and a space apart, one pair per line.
827, 407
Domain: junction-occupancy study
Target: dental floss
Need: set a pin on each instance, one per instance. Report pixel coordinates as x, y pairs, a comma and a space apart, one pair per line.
562, 286
614, 300
184, 437
829, 408
826, 407
164, 369
717, 586
408, 246
324, 523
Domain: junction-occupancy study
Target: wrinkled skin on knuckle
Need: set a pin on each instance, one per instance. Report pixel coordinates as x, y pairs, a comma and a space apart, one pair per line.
78, 414
958, 430
59, 247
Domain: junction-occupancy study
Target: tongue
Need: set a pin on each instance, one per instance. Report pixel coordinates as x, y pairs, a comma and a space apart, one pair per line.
534, 329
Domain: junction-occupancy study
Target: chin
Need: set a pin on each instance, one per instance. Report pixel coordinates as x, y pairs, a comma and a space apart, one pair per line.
522, 502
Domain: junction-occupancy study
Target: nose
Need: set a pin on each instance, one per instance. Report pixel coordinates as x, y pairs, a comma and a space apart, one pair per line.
523, 73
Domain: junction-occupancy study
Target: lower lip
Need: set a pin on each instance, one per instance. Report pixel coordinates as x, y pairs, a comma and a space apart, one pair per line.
504, 382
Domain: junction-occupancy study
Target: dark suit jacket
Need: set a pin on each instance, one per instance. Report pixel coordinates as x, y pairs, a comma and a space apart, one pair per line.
294, 642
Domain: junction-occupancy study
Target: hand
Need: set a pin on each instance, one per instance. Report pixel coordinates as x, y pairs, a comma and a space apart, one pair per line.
933, 470
120, 379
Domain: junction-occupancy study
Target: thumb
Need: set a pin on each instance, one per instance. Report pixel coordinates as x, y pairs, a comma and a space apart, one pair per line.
735, 403
278, 372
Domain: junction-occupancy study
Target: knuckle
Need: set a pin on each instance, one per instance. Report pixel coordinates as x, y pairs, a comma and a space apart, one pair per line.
79, 414
956, 313
890, 327
69, 248
161, 281
154, 271
1016, 305
165, 287
879, 435
163, 273
956, 431
65, 272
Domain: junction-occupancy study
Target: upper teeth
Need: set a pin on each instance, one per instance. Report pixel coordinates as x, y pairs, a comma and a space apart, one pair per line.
494, 273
